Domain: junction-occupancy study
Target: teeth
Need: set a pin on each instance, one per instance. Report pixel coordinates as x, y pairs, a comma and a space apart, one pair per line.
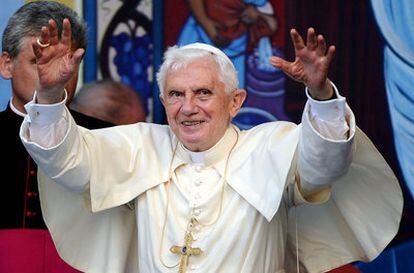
189, 123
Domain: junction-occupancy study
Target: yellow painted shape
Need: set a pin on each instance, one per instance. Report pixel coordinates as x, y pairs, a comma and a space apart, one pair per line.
69, 3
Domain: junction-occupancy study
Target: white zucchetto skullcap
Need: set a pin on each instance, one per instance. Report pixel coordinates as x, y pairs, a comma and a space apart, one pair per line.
208, 48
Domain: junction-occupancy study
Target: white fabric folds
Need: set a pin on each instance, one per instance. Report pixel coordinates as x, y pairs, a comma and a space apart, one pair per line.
356, 223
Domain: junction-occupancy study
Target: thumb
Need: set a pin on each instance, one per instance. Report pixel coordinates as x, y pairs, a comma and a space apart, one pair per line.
278, 62
77, 57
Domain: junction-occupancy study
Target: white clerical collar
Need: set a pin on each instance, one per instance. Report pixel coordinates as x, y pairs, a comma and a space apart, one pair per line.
14, 109
197, 157
200, 157
213, 155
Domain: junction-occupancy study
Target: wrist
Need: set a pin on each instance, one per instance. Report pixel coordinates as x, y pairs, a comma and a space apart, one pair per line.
325, 93
50, 96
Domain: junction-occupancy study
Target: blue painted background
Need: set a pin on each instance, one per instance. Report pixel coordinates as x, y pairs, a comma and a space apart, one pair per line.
8, 7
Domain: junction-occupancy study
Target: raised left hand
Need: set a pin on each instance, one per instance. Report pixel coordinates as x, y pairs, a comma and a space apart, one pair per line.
311, 64
56, 62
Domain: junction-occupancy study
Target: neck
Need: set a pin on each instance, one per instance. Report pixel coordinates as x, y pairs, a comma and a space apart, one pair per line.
213, 154
200, 156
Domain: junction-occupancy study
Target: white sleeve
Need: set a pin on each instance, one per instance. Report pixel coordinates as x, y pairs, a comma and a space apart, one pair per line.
328, 117
325, 143
66, 162
43, 134
47, 124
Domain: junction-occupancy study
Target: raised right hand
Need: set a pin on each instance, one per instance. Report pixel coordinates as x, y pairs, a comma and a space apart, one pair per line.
311, 63
56, 63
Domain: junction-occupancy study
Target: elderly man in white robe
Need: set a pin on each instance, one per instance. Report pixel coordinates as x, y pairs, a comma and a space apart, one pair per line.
200, 195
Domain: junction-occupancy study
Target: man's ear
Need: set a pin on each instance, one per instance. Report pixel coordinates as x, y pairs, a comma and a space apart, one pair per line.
238, 97
162, 100
6, 66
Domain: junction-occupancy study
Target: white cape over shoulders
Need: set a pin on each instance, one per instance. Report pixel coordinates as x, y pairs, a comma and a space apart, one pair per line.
344, 229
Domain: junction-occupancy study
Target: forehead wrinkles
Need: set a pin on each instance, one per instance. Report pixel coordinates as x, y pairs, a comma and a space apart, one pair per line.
192, 76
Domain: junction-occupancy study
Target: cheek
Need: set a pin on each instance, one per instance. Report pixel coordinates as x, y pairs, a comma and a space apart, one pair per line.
223, 110
172, 112
26, 72
26, 78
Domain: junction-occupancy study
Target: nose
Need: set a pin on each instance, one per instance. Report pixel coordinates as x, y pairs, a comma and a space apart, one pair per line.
189, 105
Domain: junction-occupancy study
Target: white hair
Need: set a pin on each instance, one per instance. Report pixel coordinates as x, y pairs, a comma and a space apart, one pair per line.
178, 57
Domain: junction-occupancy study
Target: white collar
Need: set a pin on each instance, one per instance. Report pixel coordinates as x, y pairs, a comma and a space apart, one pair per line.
15, 110
212, 156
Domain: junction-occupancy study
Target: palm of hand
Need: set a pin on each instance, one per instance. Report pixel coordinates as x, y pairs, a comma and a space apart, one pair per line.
54, 66
56, 62
309, 68
311, 63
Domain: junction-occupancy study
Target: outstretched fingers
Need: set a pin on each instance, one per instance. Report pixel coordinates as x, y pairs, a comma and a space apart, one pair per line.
311, 62
311, 41
77, 57
36, 50
316, 43
48, 37
286, 66
66, 33
44, 35
53, 32
330, 54
41, 43
277, 62
297, 40
321, 49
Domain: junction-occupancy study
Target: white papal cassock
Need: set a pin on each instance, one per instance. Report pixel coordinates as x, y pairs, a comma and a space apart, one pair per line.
106, 201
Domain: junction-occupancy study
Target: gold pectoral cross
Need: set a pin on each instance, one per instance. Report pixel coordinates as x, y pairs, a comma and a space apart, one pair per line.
185, 251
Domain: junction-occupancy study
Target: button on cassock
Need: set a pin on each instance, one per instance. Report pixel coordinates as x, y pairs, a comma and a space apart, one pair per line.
30, 214
32, 194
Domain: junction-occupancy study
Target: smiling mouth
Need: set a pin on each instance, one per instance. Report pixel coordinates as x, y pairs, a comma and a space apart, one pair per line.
192, 123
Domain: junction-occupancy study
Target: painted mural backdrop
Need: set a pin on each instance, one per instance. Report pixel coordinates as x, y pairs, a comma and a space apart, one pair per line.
395, 21
125, 45
127, 38
249, 32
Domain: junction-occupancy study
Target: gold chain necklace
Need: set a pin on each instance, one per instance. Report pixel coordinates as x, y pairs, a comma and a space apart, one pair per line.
186, 250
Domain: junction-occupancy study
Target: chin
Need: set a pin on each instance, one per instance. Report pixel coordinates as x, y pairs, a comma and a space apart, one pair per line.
192, 143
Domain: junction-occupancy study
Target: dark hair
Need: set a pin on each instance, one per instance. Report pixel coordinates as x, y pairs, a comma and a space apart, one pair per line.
29, 19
